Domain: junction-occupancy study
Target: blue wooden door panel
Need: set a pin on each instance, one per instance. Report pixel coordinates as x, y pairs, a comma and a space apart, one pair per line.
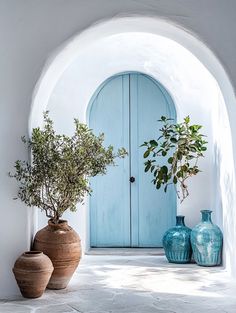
125, 214
110, 201
152, 210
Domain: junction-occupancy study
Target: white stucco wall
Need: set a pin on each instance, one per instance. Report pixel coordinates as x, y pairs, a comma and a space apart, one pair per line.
31, 30
223, 195
192, 87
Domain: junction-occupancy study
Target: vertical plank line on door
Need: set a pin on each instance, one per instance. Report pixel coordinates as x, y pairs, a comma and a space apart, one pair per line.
130, 170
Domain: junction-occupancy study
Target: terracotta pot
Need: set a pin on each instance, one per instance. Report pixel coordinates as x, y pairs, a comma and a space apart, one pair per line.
32, 271
62, 245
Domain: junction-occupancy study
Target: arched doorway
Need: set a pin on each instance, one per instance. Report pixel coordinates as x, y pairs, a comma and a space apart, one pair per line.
126, 210
75, 71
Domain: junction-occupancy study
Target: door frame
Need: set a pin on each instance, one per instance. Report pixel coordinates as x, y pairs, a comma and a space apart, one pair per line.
168, 98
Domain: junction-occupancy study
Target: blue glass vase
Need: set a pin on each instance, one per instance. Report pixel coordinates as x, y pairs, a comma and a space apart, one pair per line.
207, 240
176, 242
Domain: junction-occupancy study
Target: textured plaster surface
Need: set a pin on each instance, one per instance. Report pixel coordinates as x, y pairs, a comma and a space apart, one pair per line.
30, 32
170, 64
129, 284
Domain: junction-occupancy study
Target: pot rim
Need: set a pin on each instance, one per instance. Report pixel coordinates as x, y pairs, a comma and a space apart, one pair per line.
60, 222
206, 211
32, 253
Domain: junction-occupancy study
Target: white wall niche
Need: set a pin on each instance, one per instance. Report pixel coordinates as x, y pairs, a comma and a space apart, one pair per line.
158, 49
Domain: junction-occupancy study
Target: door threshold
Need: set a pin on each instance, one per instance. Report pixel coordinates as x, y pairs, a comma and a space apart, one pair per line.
125, 251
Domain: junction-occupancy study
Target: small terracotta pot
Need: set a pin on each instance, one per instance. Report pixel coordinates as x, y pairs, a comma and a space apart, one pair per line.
62, 245
32, 271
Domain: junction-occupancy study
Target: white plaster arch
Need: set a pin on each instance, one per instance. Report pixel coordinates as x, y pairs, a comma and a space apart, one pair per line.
66, 55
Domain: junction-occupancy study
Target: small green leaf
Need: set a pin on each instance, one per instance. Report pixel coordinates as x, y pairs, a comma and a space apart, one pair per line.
187, 119
164, 169
173, 140
153, 143
163, 118
144, 144
146, 153
193, 148
158, 185
160, 174
179, 156
181, 141
148, 165
165, 178
190, 157
179, 174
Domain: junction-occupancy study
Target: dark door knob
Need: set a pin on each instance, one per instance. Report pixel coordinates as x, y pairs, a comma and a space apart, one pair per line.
132, 179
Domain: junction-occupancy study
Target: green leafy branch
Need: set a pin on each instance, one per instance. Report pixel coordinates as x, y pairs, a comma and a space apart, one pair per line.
181, 144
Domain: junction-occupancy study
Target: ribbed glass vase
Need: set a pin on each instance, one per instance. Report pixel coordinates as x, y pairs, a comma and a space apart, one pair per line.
207, 240
176, 242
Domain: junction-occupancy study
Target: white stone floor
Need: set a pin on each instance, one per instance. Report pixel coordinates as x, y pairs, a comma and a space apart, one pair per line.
130, 284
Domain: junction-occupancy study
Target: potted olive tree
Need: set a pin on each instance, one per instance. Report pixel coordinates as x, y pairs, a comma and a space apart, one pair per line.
178, 149
56, 180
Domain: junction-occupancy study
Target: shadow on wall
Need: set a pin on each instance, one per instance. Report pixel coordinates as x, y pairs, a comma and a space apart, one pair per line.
225, 196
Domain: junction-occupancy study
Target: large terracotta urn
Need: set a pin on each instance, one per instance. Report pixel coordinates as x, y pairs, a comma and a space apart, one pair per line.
62, 245
32, 271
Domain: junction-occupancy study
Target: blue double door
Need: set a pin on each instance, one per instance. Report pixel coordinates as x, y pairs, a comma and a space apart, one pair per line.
126, 210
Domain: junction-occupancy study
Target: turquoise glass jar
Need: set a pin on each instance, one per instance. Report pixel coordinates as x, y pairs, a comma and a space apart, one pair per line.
176, 242
207, 240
